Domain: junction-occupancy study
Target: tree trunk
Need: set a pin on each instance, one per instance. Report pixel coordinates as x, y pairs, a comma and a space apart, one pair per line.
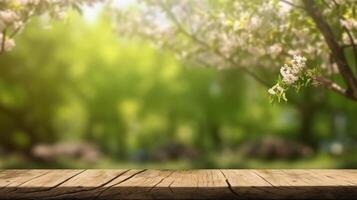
306, 135
336, 50
215, 136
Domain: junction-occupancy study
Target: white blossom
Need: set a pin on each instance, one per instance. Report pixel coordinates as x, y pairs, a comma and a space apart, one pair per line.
9, 44
350, 24
8, 17
290, 73
14, 15
275, 50
236, 34
298, 63
285, 70
290, 79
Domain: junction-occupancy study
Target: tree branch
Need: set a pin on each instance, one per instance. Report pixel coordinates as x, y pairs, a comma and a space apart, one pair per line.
24, 21
352, 44
348, 45
336, 49
349, 34
204, 44
3, 40
329, 84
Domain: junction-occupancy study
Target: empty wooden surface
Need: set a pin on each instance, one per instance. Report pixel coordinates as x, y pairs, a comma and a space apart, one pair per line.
178, 184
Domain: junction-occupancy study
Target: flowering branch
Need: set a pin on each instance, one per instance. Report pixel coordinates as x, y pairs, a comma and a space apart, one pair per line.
295, 74
336, 49
347, 25
14, 14
204, 44
228, 34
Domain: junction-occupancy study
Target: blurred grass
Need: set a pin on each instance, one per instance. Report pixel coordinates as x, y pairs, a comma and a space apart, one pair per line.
319, 161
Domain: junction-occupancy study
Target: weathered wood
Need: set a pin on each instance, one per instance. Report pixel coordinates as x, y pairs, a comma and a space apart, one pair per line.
178, 184
13, 178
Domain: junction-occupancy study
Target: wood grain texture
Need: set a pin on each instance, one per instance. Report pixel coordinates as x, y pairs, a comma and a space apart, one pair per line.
178, 184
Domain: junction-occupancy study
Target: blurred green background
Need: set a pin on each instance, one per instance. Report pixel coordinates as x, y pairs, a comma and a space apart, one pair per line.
76, 95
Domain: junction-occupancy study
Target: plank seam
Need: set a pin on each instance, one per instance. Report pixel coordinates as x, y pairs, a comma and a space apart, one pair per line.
43, 174
57, 185
1, 188
131, 176
255, 173
87, 190
171, 185
229, 184
160, 181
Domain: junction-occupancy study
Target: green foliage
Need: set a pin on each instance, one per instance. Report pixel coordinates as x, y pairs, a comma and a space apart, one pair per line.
88, 85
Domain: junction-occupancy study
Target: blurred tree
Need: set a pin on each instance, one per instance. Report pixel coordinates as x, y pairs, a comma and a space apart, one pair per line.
31, 89
253, 37
15, 14
126, 97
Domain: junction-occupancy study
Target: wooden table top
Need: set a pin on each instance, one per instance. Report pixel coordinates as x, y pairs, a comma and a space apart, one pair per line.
178, 184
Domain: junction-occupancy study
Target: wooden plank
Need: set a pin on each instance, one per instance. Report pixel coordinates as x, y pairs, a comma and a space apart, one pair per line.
310, 177
88, 184
68, 184
210, 184
178, 184
13, 178
247, 184
335, 177
311, 184
40, 182
167, 184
